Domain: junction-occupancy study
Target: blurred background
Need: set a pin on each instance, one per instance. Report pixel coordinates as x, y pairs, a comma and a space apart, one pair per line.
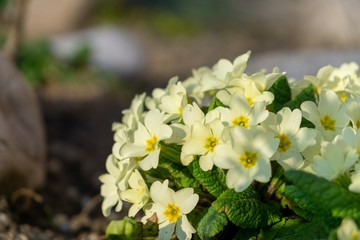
68, 68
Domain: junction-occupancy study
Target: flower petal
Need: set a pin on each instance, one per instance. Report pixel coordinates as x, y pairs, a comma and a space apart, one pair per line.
186, 200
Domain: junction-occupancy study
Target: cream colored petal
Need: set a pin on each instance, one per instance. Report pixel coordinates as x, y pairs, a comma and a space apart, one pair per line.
311, 112
206, 161
186, 200
161, 193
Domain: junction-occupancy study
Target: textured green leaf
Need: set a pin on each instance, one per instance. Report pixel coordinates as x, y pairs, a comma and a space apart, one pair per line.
294, 229
307, 94
213, 181
211, 224
180, 174
300, 203
245, 209
282, 93
176, 172
125, 229
329, 196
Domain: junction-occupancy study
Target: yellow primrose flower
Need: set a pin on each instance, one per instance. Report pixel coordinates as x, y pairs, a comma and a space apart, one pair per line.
138, 194
113, 182
171, 208
333, 161
293, 139
329, 116
247, 156
173, 102
348, 230
203, 140
145, 146
242, 113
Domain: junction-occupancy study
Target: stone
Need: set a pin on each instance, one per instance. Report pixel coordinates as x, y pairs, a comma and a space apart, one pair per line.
22, 141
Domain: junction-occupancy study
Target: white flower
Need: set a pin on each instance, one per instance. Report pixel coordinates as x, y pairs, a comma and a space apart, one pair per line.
345, 70
181, 132
322, 80
354, 86
293, 139
203, 140
355, 179
121, 136
223, 72
146, 140
171, 208
153, 102
329, 117
173, 102
242, 113
135, 113
353, 111
114, 182
333, 161
138, 195
349, 140
247, 156
253, 87
192, 84
348, 230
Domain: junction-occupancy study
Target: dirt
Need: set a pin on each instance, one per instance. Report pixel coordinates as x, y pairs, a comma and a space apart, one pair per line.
77, 119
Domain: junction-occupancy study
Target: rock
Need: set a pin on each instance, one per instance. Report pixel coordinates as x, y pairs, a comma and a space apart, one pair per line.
45, 18
111, 49
298, 63
22, 144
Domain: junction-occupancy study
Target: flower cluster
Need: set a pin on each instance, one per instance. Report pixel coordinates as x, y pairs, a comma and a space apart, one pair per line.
244, 125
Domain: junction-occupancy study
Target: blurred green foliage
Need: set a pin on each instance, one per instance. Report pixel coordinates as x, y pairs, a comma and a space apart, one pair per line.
39, 66
3, 4
34, 60
168, 17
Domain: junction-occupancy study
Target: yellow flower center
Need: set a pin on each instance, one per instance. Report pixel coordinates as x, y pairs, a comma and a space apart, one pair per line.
328, 123
248, 159
172, 212
343, 96
241, 121
150, 144
250, 101
357, 124
210, 143
180, 111
284, 144
354, 235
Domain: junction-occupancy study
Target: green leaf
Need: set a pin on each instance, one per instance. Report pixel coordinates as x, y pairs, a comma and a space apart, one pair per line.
294, 229
170, 152
211, 224
245, 209
213, 181
150, 230
329, 196
215, 102
282, 93
300, 203
180, 174
307, 94
125, 229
